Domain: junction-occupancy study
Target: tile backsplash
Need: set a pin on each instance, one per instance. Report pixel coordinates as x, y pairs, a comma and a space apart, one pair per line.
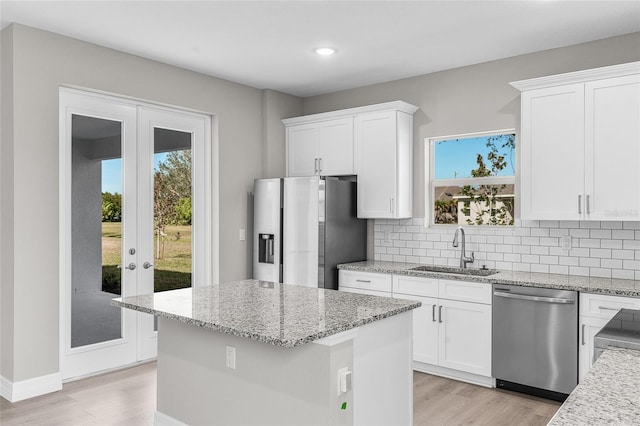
598, 249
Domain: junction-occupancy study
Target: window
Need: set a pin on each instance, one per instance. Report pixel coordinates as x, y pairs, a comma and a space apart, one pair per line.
471, 179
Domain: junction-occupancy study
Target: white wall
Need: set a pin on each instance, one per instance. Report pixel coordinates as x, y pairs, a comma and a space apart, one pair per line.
35, 63
479, 98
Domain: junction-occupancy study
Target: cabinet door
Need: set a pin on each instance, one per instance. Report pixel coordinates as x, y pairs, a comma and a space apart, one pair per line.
552, 153
612, 143
335, 147
367, 292
375, 163
589, 327
302, 154
465, 337
425, 329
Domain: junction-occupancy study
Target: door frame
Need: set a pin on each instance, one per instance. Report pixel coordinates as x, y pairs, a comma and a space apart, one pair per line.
210, 208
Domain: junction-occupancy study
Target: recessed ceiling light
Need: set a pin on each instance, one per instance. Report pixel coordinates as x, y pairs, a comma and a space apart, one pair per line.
325, 51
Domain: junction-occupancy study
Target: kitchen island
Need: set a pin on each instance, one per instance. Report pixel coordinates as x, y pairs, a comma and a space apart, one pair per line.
257, 352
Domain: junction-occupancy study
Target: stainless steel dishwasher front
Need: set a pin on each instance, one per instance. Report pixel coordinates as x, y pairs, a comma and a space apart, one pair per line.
535, 340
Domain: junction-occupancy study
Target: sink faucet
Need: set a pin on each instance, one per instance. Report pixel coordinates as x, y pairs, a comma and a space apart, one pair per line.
463, 258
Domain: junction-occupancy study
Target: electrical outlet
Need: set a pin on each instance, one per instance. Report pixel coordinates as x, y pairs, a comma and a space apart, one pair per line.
387, 236
242, 235
231, 357
565, 242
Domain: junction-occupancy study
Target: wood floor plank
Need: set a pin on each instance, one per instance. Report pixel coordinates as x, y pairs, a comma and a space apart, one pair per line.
128, 398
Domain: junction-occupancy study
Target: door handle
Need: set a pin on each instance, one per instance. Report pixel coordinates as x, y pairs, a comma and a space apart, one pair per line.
130, 266
588, 207
583, 342
320, 162
579, 204
606, 308
315, 165
433, 313
440, 314
559, 300
147, 265
363, 281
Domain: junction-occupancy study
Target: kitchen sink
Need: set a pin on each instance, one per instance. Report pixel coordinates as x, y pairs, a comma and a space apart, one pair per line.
452, 270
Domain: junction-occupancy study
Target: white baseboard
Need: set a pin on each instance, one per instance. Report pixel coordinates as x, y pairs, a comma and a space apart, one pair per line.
162, 419
25, 389
436, 370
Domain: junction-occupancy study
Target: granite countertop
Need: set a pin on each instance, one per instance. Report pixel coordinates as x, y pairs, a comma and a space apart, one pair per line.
609, 394
609, 286
279, 314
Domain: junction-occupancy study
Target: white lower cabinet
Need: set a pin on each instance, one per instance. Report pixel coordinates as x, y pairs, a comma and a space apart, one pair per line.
369, 283
595, 312
450, 336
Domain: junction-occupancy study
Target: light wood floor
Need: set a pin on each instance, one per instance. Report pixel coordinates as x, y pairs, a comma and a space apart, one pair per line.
127, 397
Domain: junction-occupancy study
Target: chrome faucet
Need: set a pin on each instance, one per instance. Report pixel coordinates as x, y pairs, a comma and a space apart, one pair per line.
463, 258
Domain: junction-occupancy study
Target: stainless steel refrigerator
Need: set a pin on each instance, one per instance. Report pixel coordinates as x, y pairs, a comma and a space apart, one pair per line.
304, 227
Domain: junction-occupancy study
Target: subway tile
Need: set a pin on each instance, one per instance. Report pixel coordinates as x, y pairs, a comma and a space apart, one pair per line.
440, 261
495, 256
412, 228
569, 224
589, 224
557, 251
630, 225
418, 221
600, 233
386, 258
404, 222
601, 253
480, 255
511, 257
637, 275
413, 244
399, 258
505, 231
512, 240
549, 223
381, 250
433, 253
505, 266
539, 232
540, 268
529, 223
622, 274
531, 241
522, 249
503, 248
631, 264
406, 251
539, 250
589, 242
487, 247
599, 272
589, 262
579, 252
611, 263
530, 258
631, 244
441, 245
551, 242
407, 236
569, 261
611, 244
399, 228
393, 250
522, 232
426, 244
626, 234
549, 260
399, 243
433, 237
419, 237
622, 254
558, 269
449, 254
377, 227
611, 225
579, 270
637, 254
480, 239
412, 259
494, 239
426, 260
524, 267
394, 236
377, 256
419, 252
560, 232
579, 233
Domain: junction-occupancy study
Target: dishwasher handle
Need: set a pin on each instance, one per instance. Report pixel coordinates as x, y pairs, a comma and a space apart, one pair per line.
557, 300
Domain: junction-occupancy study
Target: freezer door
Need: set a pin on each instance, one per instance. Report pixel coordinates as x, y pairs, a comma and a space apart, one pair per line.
267, 229
301, 227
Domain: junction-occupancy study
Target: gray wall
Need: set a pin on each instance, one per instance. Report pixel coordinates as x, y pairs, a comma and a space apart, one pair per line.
35, 64
276, 105
475, 98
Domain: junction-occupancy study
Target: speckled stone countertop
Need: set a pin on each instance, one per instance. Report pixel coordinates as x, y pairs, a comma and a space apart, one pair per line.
610, 286
609, 394
279, 314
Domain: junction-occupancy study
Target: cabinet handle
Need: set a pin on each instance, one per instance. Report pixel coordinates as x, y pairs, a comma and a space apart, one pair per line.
315, 165
363, 281
588, 207
583, 342
391, 205
606, 308
320, 168
440, 314
433, 313
579, 204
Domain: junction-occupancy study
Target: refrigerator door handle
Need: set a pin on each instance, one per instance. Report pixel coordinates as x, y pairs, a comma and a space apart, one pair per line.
315, 165
320, 162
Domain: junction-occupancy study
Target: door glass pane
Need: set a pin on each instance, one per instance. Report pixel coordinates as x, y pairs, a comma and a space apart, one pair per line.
96, 229
172, 210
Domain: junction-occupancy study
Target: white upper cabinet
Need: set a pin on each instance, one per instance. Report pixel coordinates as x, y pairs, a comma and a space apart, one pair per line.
374, 142
322, 148
580, 145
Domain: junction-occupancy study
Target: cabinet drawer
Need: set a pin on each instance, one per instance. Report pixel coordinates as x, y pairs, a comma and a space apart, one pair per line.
364, 280
417, 286
605, 306
367, 292
465, 291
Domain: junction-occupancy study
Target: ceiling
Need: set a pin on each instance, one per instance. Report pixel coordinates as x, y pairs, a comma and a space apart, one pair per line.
269, 44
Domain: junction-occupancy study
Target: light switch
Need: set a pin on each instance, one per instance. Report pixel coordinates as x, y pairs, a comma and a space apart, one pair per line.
243, 235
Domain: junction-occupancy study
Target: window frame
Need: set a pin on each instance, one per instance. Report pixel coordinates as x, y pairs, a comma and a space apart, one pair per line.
430, 182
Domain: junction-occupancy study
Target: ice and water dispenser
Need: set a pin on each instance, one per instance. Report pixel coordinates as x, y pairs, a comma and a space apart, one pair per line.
265, 248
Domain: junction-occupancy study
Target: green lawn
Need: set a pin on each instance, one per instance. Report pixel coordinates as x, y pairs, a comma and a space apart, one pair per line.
172, 271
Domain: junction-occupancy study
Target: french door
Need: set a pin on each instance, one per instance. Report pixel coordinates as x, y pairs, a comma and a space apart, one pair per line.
134, 219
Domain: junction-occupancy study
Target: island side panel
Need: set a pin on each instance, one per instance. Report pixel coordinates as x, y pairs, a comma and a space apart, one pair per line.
270, 385
383, 372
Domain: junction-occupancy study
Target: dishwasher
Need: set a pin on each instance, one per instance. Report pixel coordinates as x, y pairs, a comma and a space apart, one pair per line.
535, 340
